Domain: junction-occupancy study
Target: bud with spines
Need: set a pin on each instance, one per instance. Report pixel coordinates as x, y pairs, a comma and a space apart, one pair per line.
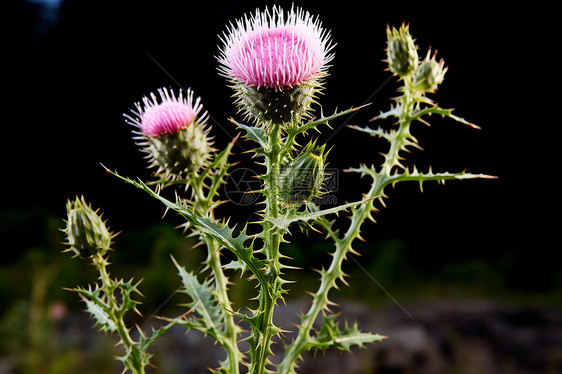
430, 74
402, 54
301, 179
86, 232
180, 153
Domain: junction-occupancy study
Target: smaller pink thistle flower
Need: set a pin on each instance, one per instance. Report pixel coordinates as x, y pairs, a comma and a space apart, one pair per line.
270, 51
172, 132
169, 115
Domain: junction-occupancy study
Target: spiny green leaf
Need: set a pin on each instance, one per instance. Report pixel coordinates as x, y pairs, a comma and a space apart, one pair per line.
256, 134
134, 358
96, 309
283, 222
127, 289
394, 111
374, 132
327, 225
236, 265
322, 121
203, 299
416, 176
444, 112
253, 321
364, 170
331, 336
225, 236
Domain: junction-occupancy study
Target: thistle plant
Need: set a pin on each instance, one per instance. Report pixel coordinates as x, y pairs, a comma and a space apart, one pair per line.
275, 62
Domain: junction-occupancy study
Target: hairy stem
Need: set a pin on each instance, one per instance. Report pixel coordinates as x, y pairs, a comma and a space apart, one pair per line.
229, 337
133, 359
269, 292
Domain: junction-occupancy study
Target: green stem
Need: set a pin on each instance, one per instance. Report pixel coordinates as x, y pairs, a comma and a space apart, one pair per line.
397, 139
229, 337
269, 292
134, 360
273, 168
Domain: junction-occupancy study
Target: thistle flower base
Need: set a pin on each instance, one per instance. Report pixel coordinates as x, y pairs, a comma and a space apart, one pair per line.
286, 106
181, 153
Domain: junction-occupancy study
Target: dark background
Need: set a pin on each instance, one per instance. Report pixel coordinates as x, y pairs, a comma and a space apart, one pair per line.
72, 71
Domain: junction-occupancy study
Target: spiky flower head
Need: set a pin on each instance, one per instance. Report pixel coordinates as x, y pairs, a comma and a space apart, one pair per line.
401, 51
430, 74
173, 131
86, 232
275, 61
301, 179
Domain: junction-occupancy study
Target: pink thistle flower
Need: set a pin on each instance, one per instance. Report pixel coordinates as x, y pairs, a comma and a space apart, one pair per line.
172, 133
271, 51
169, 115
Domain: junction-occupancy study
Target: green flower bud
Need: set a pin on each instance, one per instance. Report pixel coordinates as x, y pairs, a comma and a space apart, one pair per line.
86, 232
180, 153
401, 52
430, 74
301, 179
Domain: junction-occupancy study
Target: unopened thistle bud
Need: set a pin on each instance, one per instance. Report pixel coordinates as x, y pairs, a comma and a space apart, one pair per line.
173, 132
276, 63
430, 74
301, 179
402, 54
86, 232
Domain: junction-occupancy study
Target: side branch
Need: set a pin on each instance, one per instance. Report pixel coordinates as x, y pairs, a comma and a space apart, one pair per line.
444, 112
416, 176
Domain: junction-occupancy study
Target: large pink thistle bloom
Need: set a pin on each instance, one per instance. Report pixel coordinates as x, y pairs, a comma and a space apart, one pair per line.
276, 52
167, 115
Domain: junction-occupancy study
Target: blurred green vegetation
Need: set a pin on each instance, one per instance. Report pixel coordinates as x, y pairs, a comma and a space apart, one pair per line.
39, 317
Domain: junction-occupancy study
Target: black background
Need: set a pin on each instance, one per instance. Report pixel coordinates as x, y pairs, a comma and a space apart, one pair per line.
67, 84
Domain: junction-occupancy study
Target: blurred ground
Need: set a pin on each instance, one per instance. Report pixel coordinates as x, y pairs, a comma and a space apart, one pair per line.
463, 318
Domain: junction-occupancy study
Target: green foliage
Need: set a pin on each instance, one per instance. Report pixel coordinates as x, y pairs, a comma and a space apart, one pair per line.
98, 310
204, 302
